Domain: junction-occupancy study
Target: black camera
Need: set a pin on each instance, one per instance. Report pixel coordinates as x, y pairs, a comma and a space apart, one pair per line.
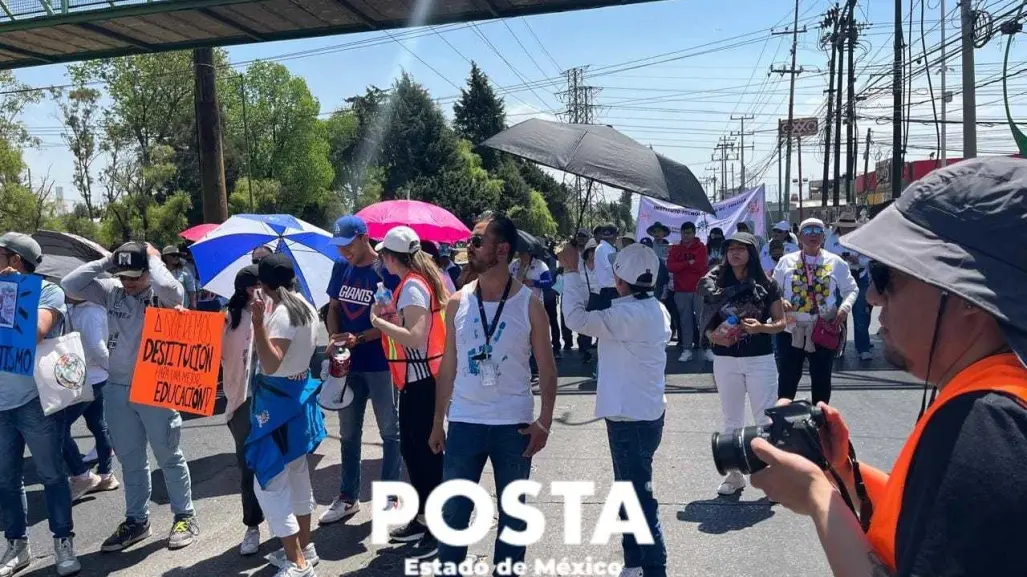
793, 428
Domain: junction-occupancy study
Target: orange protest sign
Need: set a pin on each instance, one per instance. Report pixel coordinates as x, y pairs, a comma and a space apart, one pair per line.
178, 361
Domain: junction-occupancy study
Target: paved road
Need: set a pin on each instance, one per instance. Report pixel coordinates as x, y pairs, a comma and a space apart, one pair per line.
706, 535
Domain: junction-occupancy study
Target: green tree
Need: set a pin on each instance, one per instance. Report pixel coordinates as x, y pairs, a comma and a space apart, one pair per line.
79, 109
558, 196
479, 114
516, 192
534, 217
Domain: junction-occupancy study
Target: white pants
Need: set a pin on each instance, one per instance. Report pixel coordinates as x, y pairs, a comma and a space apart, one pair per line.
736, 376
288, 495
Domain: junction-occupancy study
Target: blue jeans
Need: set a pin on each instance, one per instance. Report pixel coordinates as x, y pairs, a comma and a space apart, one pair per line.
467, 447
96, 422
861, 316
384, 400
632, 445
44, 435
131, 426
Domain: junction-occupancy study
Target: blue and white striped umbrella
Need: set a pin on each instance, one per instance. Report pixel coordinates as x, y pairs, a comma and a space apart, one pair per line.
221, 254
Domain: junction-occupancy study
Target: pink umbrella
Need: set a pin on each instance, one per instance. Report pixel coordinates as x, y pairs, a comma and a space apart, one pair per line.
197, 232
430, 222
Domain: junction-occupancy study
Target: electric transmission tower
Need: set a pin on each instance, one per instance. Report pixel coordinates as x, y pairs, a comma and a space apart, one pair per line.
580, 99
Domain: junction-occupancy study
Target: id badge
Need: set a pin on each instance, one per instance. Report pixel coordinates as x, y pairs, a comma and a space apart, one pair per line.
489, 373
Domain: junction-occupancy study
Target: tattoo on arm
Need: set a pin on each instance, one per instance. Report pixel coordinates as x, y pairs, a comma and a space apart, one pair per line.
878, 568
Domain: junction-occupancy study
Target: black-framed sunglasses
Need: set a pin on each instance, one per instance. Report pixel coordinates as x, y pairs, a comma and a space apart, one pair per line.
880, 275
477, 241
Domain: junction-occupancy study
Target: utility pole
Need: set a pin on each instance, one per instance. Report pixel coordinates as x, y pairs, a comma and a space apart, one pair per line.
208, 129
866, 163
791, 96
722, 148
831, 20
944, 96
742, 134
780, 186
581, 109
840, 47
799, 144
852, 137
969, 78
896, 155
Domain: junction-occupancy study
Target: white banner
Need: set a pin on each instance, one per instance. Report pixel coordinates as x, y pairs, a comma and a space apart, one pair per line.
750, 205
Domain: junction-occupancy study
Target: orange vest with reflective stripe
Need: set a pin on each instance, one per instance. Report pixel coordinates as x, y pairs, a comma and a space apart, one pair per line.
1000, 373
396, 354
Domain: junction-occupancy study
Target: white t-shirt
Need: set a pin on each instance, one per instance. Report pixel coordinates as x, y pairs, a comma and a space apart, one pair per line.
303, 340
415, 293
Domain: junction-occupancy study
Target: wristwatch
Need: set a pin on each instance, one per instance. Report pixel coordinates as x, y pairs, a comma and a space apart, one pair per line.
360, 338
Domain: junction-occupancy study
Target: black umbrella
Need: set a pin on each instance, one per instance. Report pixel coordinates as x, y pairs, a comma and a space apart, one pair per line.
604, 155
63, 252
529, 243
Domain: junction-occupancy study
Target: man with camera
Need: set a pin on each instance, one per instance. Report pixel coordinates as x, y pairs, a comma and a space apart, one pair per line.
953, 314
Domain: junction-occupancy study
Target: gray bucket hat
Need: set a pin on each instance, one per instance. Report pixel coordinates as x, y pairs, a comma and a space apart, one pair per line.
962, 228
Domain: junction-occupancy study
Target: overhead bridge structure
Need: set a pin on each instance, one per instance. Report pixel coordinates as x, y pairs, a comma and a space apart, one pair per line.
37, 32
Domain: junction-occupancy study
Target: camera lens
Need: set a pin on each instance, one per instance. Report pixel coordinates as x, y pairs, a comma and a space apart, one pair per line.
731, 451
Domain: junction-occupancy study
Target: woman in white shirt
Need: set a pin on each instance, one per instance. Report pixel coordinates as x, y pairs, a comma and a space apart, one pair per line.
237, 370
414, 337
812, 280
633, 334
286, 423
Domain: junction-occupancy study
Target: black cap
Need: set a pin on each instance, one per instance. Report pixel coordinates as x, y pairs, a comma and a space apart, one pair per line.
131, 260
276, 271
246, 277
744, 238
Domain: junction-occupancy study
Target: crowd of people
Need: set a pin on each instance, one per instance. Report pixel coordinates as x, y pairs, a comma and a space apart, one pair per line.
451, 360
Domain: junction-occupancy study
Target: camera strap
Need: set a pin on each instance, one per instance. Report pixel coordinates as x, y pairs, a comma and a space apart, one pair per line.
866, 507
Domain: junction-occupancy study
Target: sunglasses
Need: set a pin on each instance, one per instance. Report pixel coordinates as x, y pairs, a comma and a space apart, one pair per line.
477, 241
880, 275
812, 230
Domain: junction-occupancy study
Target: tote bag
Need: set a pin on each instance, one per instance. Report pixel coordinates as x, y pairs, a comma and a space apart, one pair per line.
61, 372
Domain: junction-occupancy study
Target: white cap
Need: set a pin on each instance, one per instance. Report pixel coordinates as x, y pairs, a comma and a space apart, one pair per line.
401, 239
811, 222
783, 226
638, 265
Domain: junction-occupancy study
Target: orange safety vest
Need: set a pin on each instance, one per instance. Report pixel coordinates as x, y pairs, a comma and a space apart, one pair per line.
396, 354
1000, 373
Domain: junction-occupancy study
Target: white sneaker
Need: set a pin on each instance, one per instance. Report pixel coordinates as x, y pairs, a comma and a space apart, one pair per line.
686, 355
733, 483
250, 541
339, 510
866, 356
278, 558
17, 557
291, 570
64, 552
631, 572
709, 355
87, 483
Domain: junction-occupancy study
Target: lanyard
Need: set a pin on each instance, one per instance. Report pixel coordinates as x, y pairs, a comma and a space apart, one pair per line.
489, 330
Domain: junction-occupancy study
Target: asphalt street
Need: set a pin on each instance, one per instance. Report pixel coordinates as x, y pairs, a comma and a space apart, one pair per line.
706, 535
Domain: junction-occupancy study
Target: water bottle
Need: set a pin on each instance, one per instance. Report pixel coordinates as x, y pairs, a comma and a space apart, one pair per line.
728, 328
383, 297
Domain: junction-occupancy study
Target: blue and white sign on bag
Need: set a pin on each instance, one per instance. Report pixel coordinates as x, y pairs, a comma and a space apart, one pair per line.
19, 314
750, 205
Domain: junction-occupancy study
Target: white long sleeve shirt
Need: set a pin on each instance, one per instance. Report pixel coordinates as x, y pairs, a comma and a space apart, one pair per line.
605, 253
90, 320
633, 336
828, 271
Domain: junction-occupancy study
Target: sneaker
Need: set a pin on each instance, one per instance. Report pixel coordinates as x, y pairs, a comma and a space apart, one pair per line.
709, 355
250, 542
127, 534
686, 355
866, 356
17, 557
291, 570
426, 548
86, 483
412, 531
107, 483
183, 532
65, 561
341, 509
279, 560
631, 572
732, 484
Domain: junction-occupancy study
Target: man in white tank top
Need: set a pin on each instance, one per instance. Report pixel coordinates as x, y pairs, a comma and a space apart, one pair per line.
493, 325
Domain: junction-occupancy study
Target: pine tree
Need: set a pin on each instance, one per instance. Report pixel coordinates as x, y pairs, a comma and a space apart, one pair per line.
479, 115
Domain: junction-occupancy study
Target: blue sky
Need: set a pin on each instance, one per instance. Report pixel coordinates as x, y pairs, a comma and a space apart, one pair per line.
681, 107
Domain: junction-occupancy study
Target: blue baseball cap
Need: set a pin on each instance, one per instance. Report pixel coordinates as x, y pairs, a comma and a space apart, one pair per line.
348, 228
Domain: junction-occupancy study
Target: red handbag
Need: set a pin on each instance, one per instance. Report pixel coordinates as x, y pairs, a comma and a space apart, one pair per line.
827, 334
